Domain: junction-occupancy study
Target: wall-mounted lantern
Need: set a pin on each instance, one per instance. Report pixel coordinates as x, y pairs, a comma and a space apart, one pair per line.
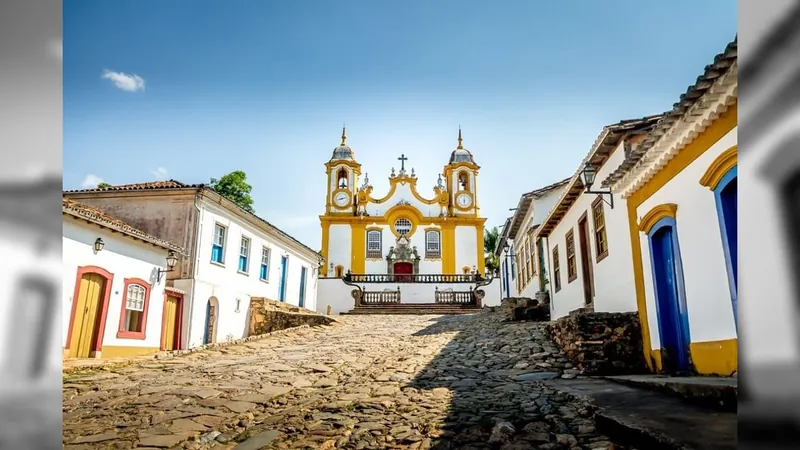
98, 245
589, 175
172, 259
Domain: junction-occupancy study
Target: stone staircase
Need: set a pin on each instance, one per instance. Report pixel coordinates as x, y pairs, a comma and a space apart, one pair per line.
416, 308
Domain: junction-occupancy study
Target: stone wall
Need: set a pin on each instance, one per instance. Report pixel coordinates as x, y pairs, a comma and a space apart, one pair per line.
268, 315
600, 343
523, 308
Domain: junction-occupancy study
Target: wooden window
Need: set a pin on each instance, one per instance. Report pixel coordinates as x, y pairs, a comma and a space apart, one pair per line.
600, 239
433, 248
374, 244
402, 226
556, 270
572, 264
265, 255
532, 251
135, 302
218, 246
244, 255
339, 271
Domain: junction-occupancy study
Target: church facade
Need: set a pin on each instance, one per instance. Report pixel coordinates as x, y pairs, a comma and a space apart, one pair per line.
397, 230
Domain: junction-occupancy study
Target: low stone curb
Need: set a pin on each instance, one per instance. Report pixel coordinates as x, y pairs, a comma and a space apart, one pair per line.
175, 353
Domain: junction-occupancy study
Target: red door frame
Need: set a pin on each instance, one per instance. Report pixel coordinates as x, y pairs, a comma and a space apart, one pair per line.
103, 308
178, 318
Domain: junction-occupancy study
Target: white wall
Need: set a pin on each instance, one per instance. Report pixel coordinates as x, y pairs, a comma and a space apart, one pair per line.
403, 192
227, 284
124, 258
339, 296
708, 296
466, 247
340, 245
613, 276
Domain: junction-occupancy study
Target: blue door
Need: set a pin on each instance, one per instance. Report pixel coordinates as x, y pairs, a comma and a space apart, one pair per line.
726, 195
284, 270
302, 300
673, 322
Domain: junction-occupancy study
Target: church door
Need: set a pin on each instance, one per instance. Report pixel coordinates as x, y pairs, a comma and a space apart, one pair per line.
403, 272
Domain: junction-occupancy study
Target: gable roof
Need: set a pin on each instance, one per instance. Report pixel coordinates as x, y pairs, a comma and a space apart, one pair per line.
601, 150
177, 185
723, 63
501, 240
524, 205
101, 218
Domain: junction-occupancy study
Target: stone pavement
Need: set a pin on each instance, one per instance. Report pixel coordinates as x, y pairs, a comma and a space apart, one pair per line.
416, 382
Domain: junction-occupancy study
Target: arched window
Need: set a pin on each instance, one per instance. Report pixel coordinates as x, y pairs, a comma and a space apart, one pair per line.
374, 244
341, 179
133, 319
466, 269
463, 181
339, 272
402, 226
433, 248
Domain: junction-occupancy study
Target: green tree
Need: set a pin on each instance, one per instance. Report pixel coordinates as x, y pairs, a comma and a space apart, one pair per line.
235, 188
103, 185
490, 238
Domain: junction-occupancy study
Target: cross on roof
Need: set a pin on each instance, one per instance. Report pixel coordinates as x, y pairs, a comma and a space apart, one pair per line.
402, 160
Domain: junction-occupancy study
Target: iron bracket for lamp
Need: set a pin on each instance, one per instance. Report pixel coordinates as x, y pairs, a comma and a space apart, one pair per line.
602, 194
161, 273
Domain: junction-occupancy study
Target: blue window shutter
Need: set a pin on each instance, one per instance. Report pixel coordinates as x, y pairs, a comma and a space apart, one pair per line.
263, 271
216, 253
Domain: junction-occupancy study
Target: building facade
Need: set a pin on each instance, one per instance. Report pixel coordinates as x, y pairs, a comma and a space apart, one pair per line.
232, 255
680, 192
360, 230
114, 297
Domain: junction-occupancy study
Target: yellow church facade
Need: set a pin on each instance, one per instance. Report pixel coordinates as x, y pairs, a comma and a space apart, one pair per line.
401, 232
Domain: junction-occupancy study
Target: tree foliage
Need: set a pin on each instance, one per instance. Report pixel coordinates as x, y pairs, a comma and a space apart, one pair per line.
235, 188
103, 185
490, 238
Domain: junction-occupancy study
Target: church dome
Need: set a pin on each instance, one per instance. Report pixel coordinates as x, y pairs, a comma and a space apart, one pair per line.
343, 151
460, 154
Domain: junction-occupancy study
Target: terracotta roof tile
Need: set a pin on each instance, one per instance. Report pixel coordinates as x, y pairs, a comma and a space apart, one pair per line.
102, 218
150, 185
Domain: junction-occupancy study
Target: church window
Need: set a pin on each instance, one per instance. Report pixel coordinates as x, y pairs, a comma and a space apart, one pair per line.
265, 255
339, 271
466, 269
341, 179
432, 245
572, 262
135, 309
463, 181
218, 246
244, 254
556, 270
374, 244
600, 239
402, 226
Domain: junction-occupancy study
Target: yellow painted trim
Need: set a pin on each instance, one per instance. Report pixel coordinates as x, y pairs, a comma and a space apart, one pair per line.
109, 351
338, 268
724, 162
471, 201
466, 269
658, 212
326, 237
358, 247
720, 127
403, 211
365, 195
715, 357
481, 256
449, 248
332, 165
349, 203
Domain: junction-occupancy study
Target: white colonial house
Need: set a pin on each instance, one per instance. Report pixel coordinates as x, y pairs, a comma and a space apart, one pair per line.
232, 255
680, 191
503, 250
588, 249
520, 259
114, 297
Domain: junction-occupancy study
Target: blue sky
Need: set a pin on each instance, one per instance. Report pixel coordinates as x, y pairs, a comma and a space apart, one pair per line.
264, 86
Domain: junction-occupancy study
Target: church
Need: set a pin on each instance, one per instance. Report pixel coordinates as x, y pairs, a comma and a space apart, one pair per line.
402, 233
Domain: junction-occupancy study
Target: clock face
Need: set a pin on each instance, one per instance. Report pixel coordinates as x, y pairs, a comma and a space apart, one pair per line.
464, 200
341, 199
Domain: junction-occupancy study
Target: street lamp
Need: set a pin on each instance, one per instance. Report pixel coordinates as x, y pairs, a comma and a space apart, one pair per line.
172, 259
589, 175
98, 245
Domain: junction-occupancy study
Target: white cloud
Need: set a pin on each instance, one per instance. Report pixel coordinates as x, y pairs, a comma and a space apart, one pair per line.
160, 173
56, 48
91, 181
123, 81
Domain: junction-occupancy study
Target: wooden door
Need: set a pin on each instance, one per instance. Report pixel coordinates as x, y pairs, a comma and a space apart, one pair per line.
586, 262
403, 272
171, 324
86, 320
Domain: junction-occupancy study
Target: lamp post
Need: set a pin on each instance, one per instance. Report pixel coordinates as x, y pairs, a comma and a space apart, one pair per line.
171, 261
98, 245
589, 175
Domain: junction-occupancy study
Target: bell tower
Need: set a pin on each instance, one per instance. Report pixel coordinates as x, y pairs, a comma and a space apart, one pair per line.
461, 175
343, 171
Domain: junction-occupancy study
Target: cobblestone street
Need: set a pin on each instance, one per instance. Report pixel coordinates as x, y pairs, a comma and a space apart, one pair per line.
413, 382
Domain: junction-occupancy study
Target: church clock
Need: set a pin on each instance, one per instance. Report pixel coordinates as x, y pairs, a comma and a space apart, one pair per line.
464, 200
342, 199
